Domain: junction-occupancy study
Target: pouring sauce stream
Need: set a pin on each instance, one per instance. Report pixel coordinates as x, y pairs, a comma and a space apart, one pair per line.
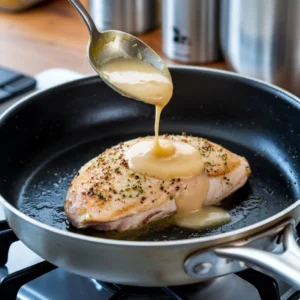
161, 158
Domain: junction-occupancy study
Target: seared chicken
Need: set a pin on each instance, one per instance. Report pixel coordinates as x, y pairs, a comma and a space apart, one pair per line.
107, 195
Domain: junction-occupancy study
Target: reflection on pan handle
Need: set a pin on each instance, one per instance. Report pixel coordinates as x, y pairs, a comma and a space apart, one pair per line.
286, 264
228, 259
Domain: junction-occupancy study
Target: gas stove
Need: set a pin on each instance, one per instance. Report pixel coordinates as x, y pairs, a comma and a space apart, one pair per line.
26, 276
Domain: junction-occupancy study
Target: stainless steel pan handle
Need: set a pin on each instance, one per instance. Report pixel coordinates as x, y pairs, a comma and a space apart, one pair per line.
285, 264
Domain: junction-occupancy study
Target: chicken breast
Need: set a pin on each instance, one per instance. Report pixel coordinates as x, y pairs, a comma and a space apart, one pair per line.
107, 195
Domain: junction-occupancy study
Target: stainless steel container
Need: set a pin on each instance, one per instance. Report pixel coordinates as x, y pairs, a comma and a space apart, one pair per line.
133, 16
190, 30
262, 39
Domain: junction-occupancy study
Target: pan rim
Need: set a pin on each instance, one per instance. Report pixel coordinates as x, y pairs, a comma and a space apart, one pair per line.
180, 242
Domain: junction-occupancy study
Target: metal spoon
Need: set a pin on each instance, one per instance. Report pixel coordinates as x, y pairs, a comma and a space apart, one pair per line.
112, 44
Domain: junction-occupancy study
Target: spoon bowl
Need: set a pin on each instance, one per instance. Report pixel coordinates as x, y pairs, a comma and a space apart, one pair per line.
115, 44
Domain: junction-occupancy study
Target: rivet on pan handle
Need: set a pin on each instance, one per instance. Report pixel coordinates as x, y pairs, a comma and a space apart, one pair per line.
285, 264
207, 265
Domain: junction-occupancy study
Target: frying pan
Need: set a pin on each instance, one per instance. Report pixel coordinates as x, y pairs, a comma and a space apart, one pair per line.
47, 137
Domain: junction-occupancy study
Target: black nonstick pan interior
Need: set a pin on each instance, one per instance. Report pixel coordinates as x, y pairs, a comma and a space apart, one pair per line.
45, 140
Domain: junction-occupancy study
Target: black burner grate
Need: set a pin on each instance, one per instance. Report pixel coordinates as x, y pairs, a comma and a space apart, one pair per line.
124, 292
10, 284
7, 237
266, 286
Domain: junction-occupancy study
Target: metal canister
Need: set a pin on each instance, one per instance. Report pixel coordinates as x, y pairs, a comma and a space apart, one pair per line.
133, 16
190, 30
262, 39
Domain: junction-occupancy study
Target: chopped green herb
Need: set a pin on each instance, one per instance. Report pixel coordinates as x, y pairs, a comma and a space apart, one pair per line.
140, 190
224, 157
100, 196
184, 133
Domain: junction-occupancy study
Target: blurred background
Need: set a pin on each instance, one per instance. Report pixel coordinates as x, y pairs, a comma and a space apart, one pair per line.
256, 38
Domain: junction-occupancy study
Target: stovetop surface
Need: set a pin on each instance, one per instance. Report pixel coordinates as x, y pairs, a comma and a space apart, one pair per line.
61, 284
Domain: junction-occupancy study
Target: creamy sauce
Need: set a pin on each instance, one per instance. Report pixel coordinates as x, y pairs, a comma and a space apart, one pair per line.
139, 80
161, 150
209, 216
193, 197
157, 157
185, 161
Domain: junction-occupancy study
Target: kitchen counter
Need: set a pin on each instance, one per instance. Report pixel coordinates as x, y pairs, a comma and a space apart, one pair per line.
52, 35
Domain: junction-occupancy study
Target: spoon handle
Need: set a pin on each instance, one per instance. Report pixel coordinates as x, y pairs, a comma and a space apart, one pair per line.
86, 17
